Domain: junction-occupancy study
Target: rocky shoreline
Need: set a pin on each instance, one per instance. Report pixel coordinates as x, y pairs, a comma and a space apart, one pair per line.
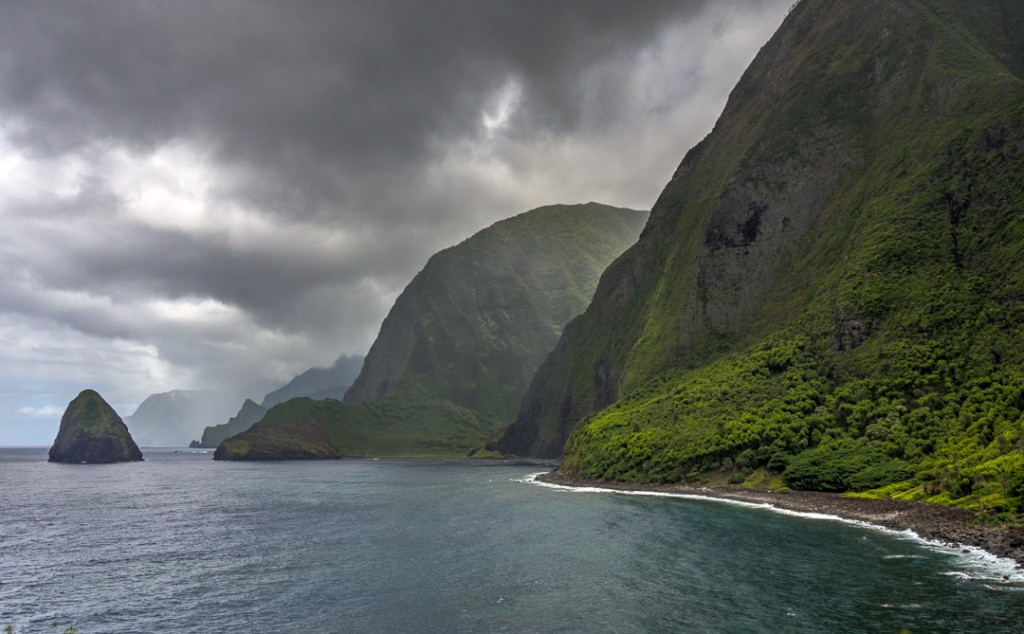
951, 526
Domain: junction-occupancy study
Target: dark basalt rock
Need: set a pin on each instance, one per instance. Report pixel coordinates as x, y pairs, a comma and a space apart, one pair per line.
92, 432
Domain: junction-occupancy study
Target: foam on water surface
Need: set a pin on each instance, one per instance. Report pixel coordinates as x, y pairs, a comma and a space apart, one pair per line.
970, 562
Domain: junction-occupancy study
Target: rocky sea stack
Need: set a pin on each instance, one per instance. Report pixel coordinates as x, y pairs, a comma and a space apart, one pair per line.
92, 432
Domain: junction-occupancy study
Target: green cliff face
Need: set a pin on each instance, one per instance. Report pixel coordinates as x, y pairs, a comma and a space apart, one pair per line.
458, 348
475, 323
92, 432
831, 287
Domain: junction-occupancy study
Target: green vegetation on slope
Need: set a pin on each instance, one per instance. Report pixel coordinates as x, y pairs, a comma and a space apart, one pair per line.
455, 353
398, 425
475, 323
918, 417
832, 286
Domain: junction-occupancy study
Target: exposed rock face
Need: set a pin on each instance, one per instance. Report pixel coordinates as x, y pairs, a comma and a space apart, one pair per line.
92, 432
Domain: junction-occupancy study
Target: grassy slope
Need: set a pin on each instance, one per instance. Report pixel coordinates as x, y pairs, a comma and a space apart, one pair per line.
405, 425
457, 350
889, 350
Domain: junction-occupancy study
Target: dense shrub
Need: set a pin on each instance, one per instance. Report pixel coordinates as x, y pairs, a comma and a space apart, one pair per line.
849, 468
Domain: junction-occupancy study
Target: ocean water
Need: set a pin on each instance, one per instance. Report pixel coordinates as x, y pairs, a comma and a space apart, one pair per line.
180, 543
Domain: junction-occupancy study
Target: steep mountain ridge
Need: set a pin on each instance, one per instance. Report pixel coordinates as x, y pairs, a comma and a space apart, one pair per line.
719, 237
456, 351
475, 323
847, 239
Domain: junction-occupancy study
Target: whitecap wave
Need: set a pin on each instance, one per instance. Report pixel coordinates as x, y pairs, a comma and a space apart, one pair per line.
976, 564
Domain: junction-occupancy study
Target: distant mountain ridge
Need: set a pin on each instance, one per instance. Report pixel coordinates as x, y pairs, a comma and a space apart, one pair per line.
456, 351
316, 383
172, 419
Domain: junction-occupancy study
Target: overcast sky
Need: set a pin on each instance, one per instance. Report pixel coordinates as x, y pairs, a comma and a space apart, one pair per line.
213, 195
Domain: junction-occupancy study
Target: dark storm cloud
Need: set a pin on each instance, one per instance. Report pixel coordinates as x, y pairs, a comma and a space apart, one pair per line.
232, 189
310, 93
313, 100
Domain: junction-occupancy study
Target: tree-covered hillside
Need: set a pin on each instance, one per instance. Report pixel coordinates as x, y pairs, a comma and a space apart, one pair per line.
830, 291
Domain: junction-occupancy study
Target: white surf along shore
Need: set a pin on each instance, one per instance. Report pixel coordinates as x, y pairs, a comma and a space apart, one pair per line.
970, 563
